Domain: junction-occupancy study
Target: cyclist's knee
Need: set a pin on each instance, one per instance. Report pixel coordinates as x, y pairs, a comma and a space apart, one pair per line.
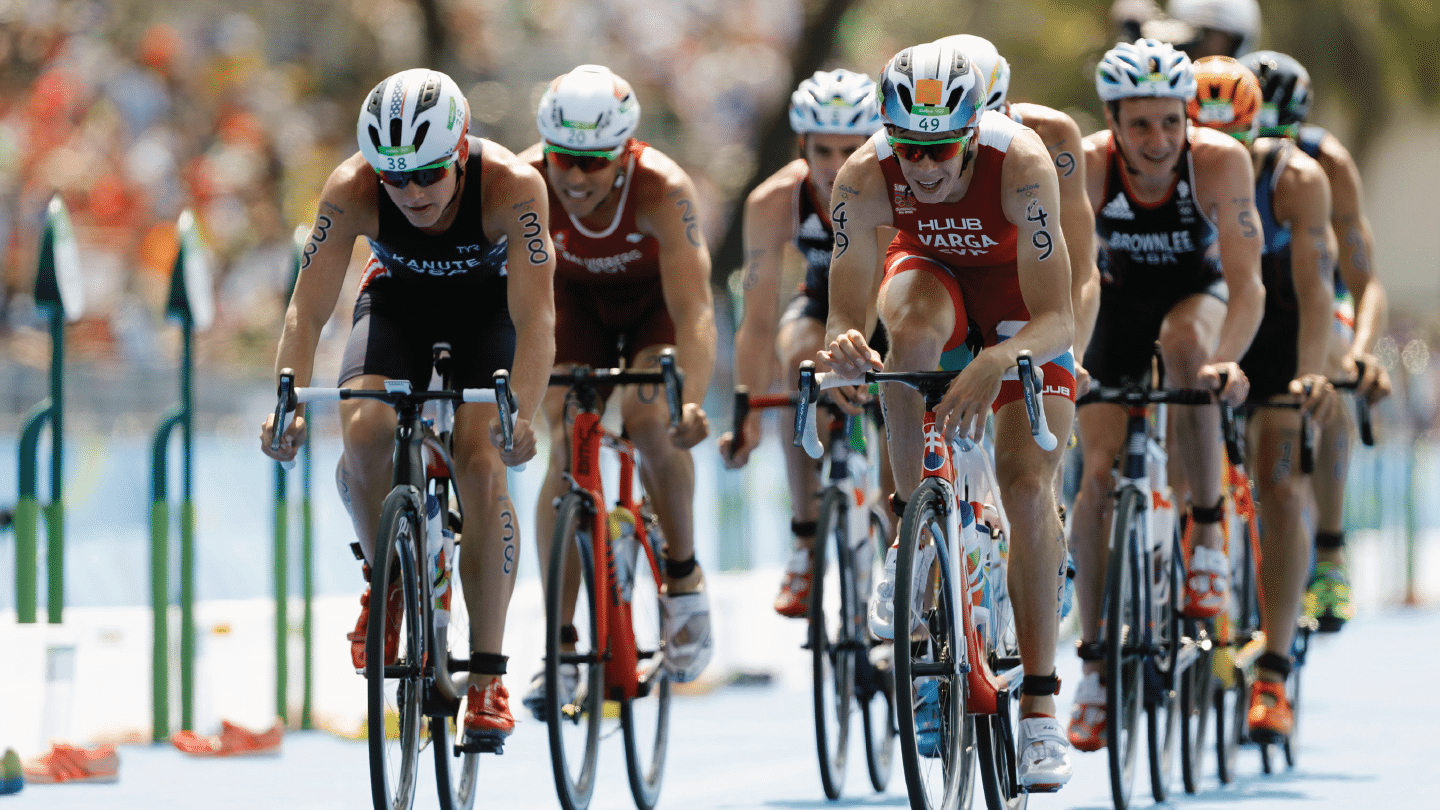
480, 466
1028, 488
1182, 346
369, 438
915, 342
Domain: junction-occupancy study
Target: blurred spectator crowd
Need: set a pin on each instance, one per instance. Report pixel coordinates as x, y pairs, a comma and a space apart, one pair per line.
134, 110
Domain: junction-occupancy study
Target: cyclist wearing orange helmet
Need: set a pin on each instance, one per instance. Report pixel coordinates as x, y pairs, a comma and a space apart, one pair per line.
1285, 362
461, 254
1361, 309
976, 202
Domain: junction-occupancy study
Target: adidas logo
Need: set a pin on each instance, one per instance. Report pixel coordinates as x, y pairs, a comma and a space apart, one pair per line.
634, 238
1118, 208
813, 228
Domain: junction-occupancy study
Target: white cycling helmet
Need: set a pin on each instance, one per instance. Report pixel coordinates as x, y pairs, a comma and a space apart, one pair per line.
838, 103
1148, 68
588, 108
931, 88
987, 61
414, 118
1238, 18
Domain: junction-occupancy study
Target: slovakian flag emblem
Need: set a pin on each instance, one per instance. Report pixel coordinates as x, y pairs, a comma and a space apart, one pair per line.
934, 448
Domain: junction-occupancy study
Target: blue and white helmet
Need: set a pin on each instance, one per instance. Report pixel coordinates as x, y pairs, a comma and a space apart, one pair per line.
414, 118
931, 88
1148, 68
588, 108
987, 61
837, 103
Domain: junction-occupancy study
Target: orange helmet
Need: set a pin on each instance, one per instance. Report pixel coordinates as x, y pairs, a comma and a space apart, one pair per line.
1227, 97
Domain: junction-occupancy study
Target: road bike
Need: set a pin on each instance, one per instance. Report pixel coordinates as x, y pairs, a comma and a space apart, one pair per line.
844, 676
1153, 654
414, 701
957, 673
603, 630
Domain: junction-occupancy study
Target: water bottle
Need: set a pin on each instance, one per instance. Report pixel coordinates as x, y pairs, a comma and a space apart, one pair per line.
622, 550
976, 537
439, 550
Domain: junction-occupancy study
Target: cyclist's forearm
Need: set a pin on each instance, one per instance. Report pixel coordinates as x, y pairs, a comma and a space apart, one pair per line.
1371, 310
534, 357
1242, 320
1086, 309
695, 354
1046, 336
754, 366
297, 347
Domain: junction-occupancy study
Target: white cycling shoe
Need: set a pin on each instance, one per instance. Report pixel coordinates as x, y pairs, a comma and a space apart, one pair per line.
882, 602
1044, 755
534, 700
689, 645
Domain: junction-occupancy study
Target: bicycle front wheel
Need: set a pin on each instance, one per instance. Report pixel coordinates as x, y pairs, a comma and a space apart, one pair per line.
455, 770
574, 673
1197, 685
834, 637
645, 718
394, 691
874, 676
1162, 669
937, 738
1122, 633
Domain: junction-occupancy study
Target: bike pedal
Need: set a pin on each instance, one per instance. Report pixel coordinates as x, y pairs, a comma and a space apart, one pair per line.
1054, 788
481, 744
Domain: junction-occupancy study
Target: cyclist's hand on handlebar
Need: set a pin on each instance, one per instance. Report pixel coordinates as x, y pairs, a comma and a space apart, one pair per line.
693, 427
290, 441
967, 401
1317, 396
852, 399
1237, 385
1374, 384
523, 445
850, 356
1082, 381
736, 454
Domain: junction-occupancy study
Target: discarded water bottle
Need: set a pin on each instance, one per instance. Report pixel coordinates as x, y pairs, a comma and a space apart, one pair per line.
977, 541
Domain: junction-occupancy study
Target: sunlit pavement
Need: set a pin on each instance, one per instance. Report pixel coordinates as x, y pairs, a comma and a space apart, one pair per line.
1371, 711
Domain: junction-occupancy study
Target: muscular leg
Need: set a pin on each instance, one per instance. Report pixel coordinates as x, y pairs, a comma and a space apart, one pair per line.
1274, 450
552, 407
367, 430
799, 340
1187, 337
1102, 431
492, 531
1332, 464
919, 315
667, 472
1026, 475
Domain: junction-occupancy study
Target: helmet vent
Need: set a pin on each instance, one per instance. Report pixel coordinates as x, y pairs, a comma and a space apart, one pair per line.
906, 102
375, 137
395, 129
420, 134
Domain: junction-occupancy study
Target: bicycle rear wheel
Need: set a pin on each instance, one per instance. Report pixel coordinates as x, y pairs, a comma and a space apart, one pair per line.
1163, 669
573, 717
1301, 648
394, 692
455, 770
1122, 633
1232, 699
645, 719
874, 679
1197, 685
833, 640
937, 739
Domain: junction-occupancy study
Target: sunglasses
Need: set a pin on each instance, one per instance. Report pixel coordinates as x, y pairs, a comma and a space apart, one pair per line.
424, 177
912, 151
586, 160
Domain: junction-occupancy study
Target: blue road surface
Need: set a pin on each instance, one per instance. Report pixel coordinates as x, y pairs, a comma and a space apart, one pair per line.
1372, 708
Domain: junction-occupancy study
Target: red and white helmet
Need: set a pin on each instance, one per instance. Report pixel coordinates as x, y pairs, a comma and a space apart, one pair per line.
931, 88
412, 119
588, 108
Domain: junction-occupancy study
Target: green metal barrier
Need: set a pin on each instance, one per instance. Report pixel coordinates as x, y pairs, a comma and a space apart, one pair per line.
282, 575
59, 292
191, 302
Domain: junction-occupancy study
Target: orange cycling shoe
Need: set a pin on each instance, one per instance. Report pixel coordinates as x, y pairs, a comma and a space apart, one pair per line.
793, 601
1207, 582
1087, 715
487, 715
66, 763
1270, 721
394, 612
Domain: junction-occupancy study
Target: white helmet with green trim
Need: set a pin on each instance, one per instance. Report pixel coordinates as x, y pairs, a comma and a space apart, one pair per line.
993, 69
931, 88
588, 108
412, 119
